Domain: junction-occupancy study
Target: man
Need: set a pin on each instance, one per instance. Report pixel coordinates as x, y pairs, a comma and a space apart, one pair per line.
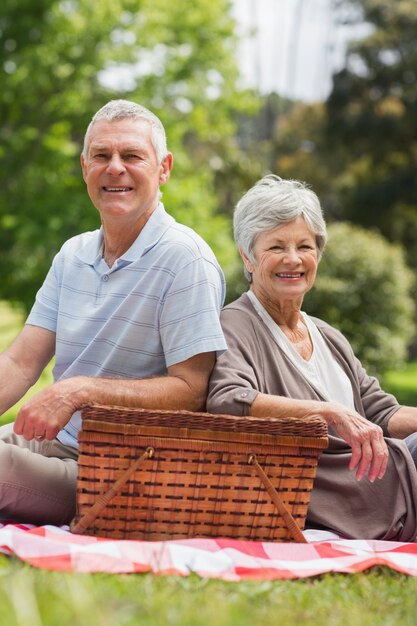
130, 312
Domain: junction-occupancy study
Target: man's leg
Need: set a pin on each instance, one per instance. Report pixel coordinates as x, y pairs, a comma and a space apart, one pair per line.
37, 479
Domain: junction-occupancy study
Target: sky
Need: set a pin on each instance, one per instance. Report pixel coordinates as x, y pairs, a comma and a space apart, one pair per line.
292, 47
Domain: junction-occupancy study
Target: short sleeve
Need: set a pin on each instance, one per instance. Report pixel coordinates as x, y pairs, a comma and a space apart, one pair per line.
44, 312
189, 320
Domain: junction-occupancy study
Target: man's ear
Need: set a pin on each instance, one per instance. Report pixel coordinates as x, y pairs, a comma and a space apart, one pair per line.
166, 167
246, 261
83, 166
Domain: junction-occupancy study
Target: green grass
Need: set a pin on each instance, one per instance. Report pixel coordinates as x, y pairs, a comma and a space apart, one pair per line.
31, 597
403, 384
34, 597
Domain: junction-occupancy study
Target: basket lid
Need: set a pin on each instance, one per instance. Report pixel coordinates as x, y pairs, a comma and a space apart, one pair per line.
311, 426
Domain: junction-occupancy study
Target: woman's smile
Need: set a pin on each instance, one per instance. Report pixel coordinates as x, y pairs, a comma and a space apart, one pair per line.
289, 276
285, 264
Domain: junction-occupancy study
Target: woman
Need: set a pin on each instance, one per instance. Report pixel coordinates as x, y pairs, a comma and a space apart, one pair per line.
282, 362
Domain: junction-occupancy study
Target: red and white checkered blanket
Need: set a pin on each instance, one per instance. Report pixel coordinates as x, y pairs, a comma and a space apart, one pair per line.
52, 548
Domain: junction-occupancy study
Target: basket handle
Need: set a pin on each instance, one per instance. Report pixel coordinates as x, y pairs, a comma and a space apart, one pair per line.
102, 501
290, 522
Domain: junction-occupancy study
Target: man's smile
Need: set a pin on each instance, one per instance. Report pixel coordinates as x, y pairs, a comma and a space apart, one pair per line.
117, 189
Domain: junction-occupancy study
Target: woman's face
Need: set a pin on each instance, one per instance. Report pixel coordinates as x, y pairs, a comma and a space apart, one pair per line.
285, 263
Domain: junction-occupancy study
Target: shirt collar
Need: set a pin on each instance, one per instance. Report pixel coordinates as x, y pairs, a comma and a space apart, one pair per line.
151, 233
90, 249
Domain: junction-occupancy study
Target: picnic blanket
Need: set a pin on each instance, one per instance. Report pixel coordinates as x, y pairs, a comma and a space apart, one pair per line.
53, 548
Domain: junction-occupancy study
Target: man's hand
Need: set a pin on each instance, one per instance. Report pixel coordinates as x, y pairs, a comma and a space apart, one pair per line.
46, 413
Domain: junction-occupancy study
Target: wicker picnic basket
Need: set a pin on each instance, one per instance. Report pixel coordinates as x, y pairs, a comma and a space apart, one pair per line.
157, 475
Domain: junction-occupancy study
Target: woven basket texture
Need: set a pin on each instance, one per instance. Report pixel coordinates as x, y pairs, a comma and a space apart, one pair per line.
199, 482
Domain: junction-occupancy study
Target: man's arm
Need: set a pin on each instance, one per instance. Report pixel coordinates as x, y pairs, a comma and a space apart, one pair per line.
185, 387
403, 422
23, 362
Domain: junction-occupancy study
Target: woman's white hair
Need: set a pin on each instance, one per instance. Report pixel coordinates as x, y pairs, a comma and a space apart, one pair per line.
125, 109
272, 202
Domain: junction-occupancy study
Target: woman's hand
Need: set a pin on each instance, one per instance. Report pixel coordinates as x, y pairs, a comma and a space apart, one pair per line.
369, 450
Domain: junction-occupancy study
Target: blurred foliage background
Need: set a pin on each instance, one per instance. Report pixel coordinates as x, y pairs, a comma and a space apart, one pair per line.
63, 59
363, 288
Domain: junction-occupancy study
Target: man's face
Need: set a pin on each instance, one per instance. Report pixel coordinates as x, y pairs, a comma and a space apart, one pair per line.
122, 172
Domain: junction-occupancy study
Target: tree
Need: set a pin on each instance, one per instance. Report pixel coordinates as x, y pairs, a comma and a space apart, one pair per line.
373, 111
256, 134
301, 152
62, 61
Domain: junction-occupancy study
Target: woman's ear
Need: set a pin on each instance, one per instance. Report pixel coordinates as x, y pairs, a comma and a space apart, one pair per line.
246, 261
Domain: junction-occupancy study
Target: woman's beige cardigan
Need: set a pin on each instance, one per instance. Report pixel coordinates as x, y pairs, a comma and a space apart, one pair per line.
253, 363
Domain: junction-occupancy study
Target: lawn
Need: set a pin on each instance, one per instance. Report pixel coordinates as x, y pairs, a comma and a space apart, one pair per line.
31, 597
403, 384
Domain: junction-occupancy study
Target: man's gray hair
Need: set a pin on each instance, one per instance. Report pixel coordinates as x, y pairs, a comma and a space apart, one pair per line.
125, 109
272, 202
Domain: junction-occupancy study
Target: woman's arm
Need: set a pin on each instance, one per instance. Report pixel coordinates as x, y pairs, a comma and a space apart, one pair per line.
252, 378
369, 450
